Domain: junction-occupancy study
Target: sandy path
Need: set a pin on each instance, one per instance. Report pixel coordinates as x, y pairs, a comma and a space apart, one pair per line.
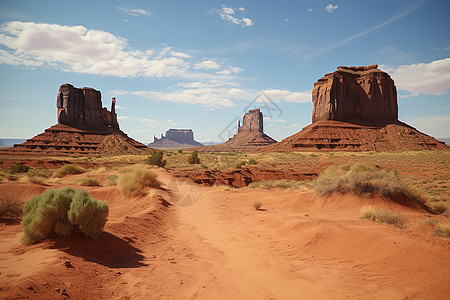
214, 245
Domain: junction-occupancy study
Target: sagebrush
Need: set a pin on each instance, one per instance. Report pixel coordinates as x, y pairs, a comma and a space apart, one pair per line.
156, 158
60, 212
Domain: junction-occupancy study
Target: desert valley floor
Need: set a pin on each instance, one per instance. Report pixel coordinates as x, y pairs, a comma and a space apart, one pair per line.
192, 241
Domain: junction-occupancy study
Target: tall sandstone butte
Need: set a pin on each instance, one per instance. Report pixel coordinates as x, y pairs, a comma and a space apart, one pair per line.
355, 94
84, 127
252, 121
355, 108
83, 107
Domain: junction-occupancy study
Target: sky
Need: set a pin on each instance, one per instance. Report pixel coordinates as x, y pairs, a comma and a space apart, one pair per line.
203, 64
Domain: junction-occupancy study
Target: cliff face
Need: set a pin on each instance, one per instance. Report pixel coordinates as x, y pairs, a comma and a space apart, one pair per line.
355, 94
252, 121
83, 107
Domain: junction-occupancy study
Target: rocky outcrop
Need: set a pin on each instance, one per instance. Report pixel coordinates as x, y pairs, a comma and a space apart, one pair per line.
84, 127
82, 107
355, 109
252, 121
364, 95
175, 138
250, 136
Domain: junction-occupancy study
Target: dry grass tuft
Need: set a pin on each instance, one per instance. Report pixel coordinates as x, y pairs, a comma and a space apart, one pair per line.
443, 229
10, 205
68, 170
88, 181
382, 216
284, 184
439, 207
257, 205
134, 179
360, 178
111, 180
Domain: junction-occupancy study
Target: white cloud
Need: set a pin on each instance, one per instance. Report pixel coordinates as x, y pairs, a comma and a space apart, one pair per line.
423, 78
207, 65
123, 118
211, 97
288, 96
149, 121
268, 119
294, 126
120, 107
136, 12
286, 20
309, 10
229, 14
331, 8
80, 50
434, 126
247, 22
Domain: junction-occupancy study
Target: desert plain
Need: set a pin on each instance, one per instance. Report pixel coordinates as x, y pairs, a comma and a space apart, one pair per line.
201, 238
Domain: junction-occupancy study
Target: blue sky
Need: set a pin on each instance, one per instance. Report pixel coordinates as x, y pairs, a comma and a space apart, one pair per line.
200, 64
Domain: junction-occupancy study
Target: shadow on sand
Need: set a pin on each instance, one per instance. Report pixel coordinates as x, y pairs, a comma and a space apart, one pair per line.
108, 250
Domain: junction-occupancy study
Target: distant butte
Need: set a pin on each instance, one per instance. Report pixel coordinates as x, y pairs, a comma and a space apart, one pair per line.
355, 108
175, 138
84, 127
250, 136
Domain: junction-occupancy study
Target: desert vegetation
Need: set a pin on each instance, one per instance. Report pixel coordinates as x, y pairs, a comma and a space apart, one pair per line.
88, 181
156, 159
111, 180
60, 213
284, 184
133, 180
361, 178
68, 170
193, 158
382, 216
10, 205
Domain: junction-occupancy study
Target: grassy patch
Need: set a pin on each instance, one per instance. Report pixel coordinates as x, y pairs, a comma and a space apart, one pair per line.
88, 181
382, 216
156, 159
284, 184
68, 170
133, 180
360, 178
439, 207
111, 180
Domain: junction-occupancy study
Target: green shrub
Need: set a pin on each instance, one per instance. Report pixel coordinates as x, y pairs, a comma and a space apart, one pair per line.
132, 180
111, 180
440, 207
68, 170
382, 216
89, 181
60, 212
19, 168
180, 151
240, 164
156, 159
251, 161
193, 158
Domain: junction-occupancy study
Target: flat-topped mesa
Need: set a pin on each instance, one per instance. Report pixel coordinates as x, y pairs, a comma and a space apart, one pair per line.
364, 95
252, 122
82, 107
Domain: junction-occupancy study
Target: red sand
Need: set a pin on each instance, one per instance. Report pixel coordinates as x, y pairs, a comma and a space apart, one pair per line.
300, 246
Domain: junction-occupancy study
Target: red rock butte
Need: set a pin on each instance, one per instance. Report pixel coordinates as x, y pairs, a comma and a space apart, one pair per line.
250, 136
84, 127
355, 108
175, 138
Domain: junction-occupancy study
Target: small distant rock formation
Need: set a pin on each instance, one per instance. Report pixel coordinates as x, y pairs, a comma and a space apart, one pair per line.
175, 138
355, 108
250, 136
84, 127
